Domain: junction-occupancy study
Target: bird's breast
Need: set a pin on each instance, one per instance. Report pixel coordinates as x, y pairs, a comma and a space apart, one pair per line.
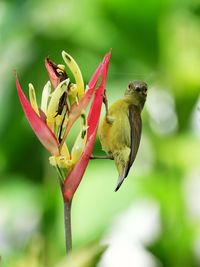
115, 134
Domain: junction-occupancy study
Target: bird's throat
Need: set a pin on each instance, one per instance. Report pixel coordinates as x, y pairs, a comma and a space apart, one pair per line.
136, 100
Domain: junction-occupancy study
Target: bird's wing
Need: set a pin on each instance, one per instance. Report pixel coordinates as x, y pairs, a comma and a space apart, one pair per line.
135, 136
135, 133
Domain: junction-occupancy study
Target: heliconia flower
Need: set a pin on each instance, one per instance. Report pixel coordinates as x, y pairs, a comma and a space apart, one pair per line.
60, 107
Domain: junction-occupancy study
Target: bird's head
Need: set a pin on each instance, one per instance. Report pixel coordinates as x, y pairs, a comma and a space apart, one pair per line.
137, 89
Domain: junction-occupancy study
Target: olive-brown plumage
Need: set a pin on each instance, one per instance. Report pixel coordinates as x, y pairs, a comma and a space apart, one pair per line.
120, 131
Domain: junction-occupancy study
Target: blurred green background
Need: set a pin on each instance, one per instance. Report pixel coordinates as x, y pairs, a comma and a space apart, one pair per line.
154, 220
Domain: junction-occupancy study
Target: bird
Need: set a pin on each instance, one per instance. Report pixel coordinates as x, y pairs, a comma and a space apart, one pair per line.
121, 128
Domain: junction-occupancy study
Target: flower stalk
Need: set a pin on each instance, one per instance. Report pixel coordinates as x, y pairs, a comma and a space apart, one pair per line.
67, 222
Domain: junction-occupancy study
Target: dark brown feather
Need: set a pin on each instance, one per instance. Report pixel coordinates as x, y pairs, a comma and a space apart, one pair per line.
135, 133
135, 136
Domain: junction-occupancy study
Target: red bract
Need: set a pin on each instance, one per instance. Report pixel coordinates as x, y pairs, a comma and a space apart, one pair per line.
42, 131
74, 178
52, 72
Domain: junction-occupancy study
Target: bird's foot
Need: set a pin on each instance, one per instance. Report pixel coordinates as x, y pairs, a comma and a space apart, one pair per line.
101, 157
110, 119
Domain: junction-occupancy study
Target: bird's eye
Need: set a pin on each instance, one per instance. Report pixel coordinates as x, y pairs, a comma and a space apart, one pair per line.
129, 87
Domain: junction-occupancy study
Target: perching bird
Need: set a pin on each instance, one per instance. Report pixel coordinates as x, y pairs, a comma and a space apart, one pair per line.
120, 131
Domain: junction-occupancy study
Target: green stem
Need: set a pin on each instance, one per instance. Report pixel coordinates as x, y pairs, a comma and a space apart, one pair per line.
67, 220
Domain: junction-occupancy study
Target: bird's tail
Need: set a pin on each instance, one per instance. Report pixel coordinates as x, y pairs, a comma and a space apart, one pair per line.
121, 179
119, 183
121, 161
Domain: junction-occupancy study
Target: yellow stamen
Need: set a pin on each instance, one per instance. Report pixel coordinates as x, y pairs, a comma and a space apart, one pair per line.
61, 66
60, 162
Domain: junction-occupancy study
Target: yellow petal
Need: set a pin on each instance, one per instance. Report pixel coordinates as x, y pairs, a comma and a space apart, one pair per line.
32, 98
73, 90
73, 66
80, 142
45, 96
65, 152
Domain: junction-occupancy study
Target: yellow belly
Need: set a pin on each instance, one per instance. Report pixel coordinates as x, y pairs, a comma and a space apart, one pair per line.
115, 136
